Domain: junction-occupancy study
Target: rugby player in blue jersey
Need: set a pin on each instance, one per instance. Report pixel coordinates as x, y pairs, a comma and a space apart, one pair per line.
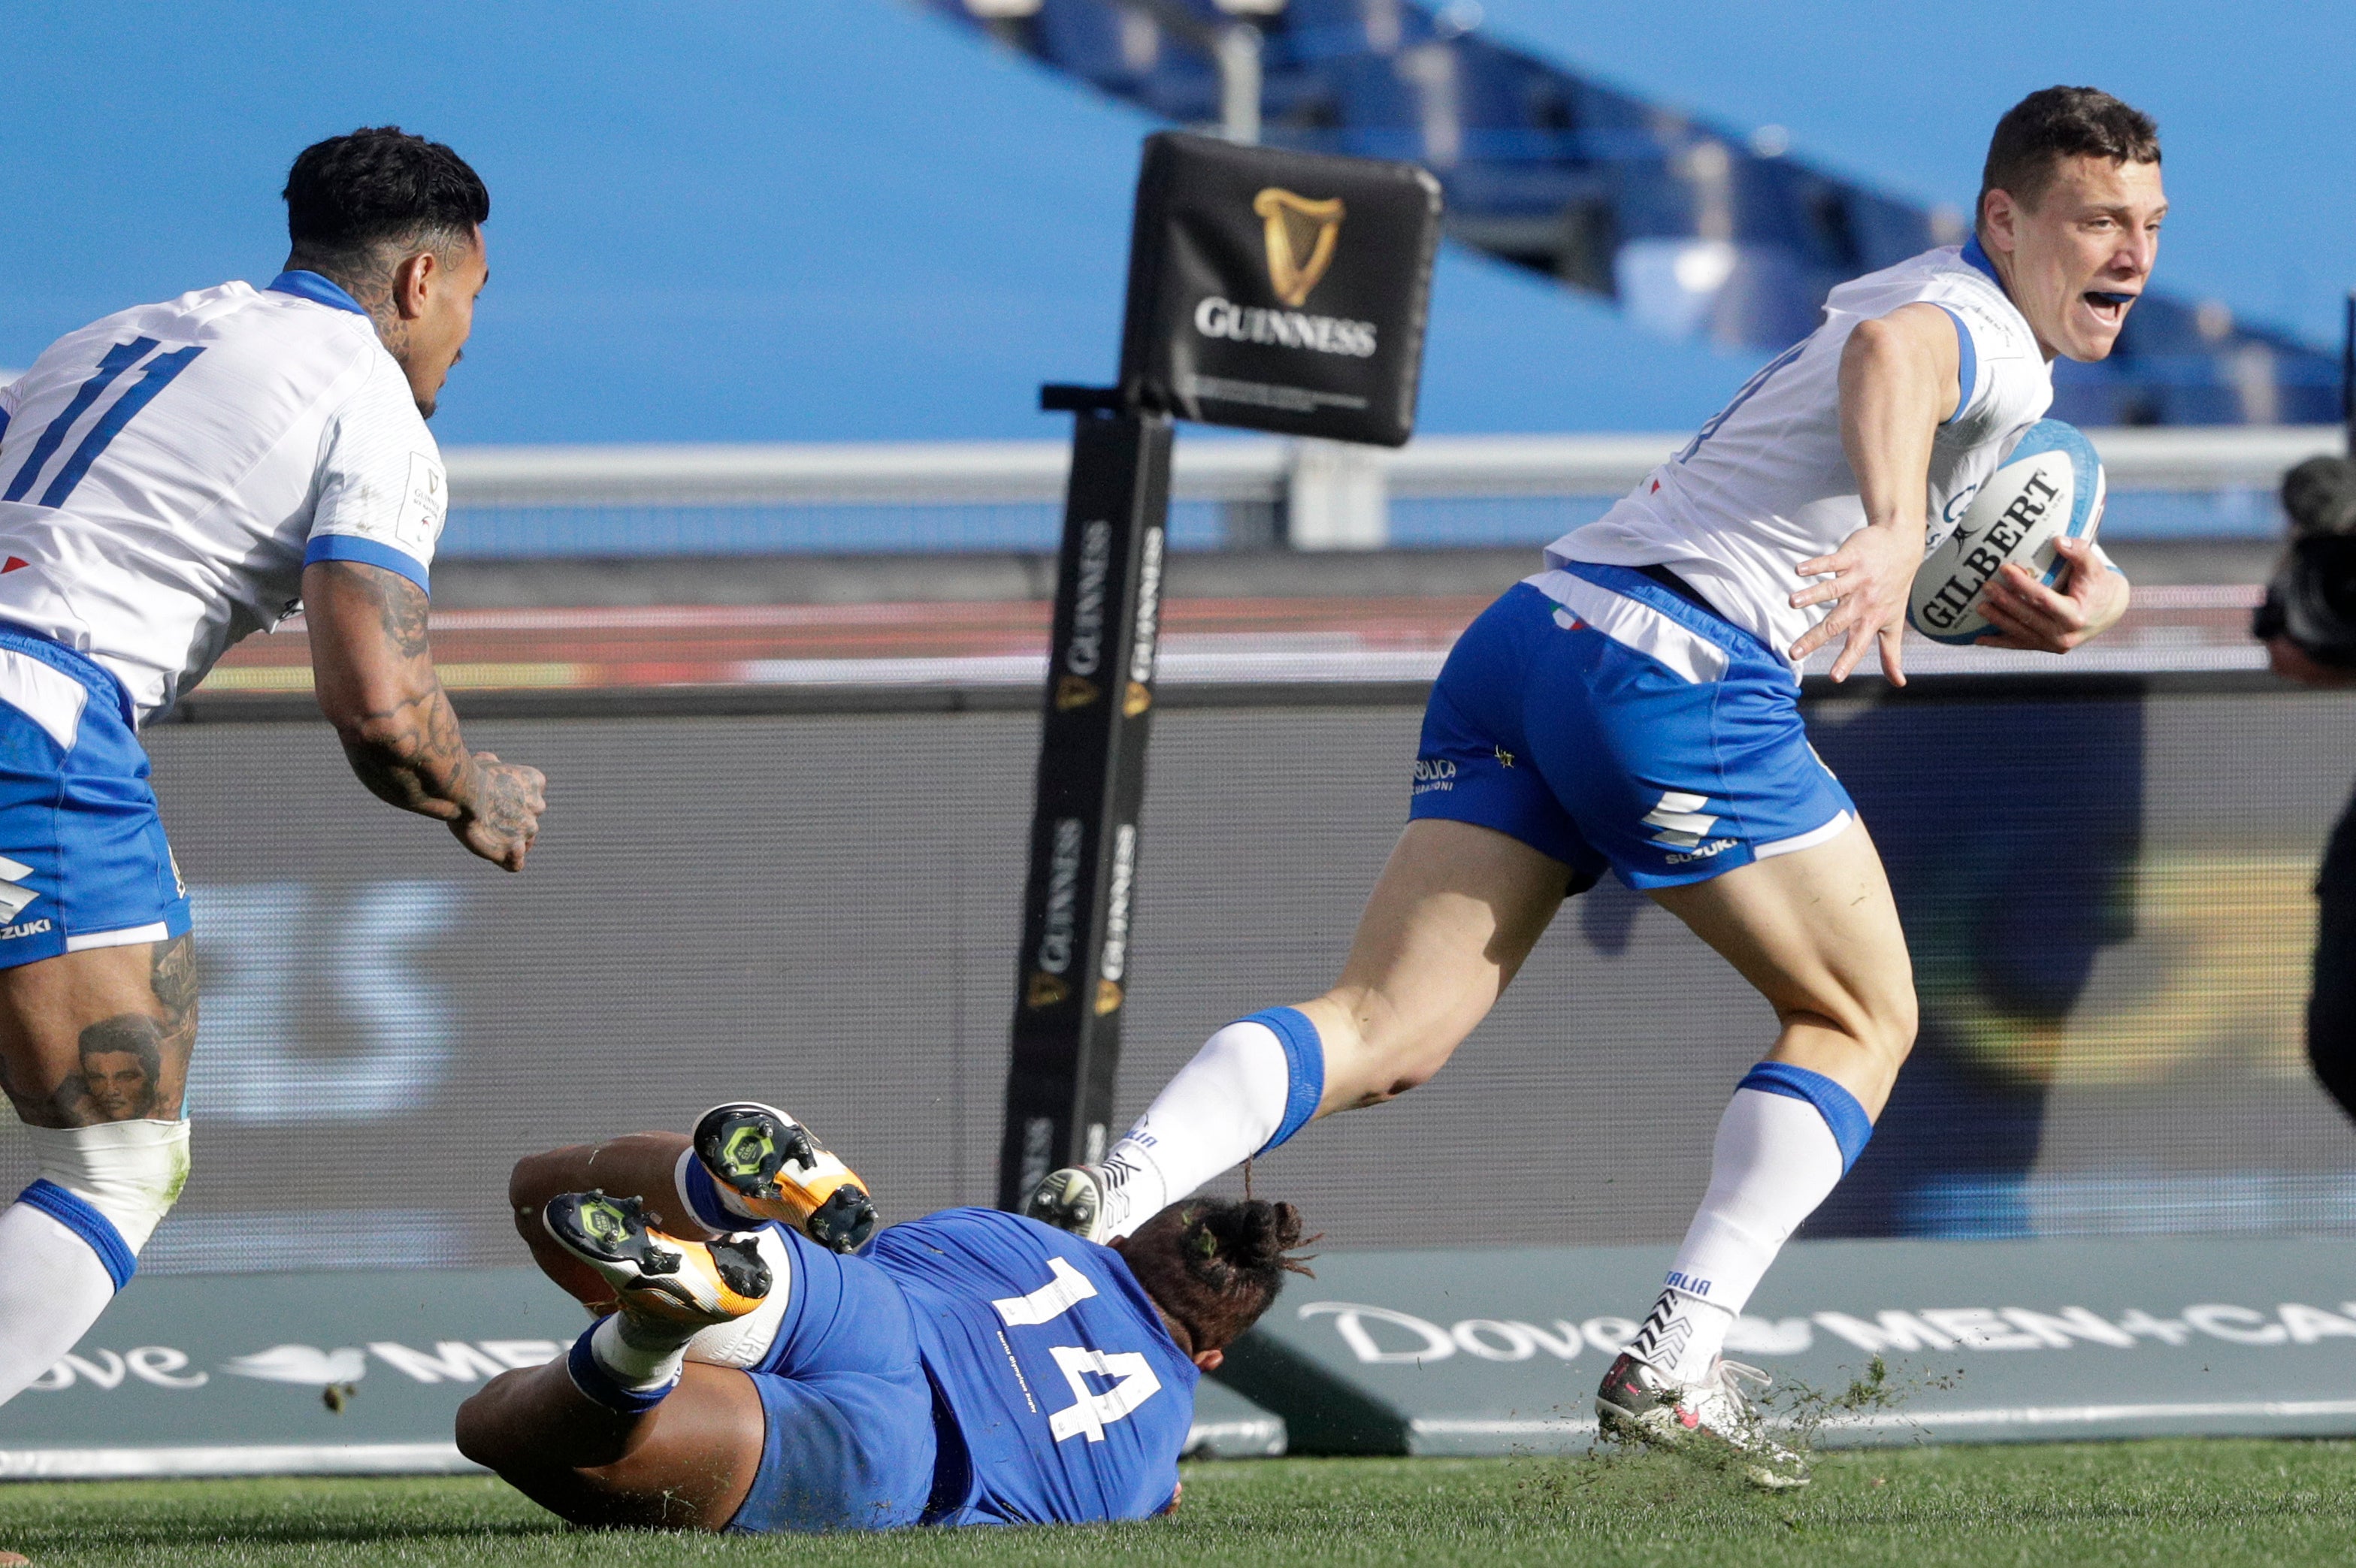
768, 1360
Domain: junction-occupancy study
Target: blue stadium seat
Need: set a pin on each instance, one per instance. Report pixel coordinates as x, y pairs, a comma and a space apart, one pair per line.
1563, 175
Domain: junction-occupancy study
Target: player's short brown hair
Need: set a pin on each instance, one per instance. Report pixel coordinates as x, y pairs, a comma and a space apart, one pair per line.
1215, 1266
2058, 122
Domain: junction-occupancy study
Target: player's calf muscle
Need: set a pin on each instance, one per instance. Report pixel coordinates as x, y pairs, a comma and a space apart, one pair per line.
638, 1164
641, 1166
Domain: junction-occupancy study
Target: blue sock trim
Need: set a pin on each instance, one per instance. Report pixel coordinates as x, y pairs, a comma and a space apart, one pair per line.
597, 1384
1304, 1061
703, 1195
1849, 1124
75, 1214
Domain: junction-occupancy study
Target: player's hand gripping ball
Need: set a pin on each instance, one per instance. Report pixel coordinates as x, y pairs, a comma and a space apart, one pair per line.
2051, 485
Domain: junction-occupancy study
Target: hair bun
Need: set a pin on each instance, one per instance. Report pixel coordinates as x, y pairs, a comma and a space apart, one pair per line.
1250, 1237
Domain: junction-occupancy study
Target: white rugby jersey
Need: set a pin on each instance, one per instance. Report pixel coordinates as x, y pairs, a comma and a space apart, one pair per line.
165, 473
1765, 485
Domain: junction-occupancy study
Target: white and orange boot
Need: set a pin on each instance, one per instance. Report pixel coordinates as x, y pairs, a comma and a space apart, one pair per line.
656, 1277
767, 1166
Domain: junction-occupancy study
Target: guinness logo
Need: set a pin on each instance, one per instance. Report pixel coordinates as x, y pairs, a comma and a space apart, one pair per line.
1301, 234
1108, 998
1138, 700
1074, 691
1045, 991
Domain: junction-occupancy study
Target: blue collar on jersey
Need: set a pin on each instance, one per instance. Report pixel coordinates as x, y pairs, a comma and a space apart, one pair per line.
1972, 254
316, 289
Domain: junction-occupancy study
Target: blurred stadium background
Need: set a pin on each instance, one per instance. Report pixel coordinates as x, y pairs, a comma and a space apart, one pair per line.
753, 532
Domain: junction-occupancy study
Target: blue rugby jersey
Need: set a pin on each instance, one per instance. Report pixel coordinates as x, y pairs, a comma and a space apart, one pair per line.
1056, 1375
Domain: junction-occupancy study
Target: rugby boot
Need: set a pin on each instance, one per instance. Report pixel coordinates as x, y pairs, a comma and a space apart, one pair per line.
1713, 1419
656, 1277
775, 1170
1085, 1199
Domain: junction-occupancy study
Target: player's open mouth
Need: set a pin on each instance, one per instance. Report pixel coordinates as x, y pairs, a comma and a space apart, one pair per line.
2110, 307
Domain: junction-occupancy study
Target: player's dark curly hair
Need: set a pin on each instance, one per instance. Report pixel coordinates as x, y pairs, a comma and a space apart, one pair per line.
357, 203
2057, 122
1215, 1266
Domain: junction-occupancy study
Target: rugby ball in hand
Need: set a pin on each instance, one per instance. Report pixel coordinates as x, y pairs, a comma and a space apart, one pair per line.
2051, 484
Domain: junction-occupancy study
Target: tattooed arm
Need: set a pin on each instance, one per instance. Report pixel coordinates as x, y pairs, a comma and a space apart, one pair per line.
377, 687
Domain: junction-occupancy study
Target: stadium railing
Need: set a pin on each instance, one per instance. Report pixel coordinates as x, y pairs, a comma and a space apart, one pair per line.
525, 502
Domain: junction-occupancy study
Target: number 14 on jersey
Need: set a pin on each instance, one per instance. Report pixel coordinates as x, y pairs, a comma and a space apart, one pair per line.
1130, 1374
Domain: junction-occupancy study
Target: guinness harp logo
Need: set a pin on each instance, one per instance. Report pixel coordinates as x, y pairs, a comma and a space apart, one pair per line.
1301, 234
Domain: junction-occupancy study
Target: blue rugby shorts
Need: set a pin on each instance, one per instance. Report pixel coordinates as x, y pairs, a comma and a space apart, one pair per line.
1604, 720
849, 1441
83, 860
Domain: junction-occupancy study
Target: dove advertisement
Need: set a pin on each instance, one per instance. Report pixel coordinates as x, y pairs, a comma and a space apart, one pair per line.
351, 1374
1470, 1353
276, 1374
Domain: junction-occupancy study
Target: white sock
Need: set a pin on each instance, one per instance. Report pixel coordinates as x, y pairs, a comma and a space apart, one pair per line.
746, 1342
640, 1355
52, 1289
1777, 1158
1251, 1086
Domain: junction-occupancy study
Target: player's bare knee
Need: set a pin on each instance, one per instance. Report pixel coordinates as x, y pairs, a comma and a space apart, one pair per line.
1885, 1024
481, 1435
1372, 1079
1415, 1074
1879, 1029
535, 1179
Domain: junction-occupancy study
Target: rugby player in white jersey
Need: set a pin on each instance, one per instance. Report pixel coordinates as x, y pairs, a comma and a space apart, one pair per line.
172, 478
1633, 706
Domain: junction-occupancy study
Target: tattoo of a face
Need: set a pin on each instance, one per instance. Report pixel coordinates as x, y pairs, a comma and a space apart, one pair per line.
131, 1066
122, 1067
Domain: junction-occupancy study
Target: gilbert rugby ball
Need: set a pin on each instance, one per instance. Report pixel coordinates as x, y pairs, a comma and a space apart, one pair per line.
2051, 484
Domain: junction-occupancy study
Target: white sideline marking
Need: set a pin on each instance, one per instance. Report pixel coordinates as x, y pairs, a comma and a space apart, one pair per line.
2087, 1414
255, 1459
2056, 1415
443, 1459
1444, 1427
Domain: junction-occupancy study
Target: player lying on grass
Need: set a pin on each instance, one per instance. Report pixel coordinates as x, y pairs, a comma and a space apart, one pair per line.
753, 1372
1634, 706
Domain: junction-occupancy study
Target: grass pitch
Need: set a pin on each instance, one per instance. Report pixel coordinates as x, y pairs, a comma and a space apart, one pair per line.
2220, 1503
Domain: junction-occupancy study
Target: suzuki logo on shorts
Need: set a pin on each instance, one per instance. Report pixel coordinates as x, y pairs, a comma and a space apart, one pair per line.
13, 898
1678, 822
